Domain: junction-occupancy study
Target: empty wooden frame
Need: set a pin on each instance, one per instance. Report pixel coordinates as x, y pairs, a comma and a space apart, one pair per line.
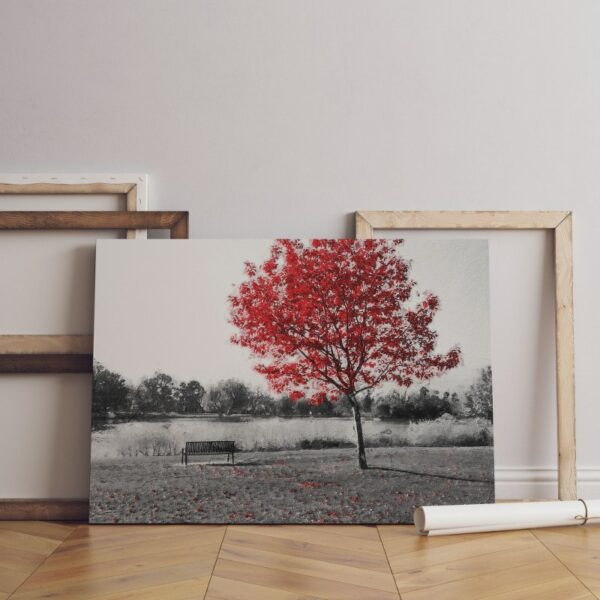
134, 188
64, 353
71, 353
367, 222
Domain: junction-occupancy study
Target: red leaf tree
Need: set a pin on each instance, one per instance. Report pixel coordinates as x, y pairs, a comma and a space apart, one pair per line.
333, 318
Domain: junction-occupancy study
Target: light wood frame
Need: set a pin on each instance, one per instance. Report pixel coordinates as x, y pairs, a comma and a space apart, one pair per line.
64, 353
134, 187
560, 223
71, 353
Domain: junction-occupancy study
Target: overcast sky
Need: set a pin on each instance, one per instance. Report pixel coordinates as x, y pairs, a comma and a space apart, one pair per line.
162, 305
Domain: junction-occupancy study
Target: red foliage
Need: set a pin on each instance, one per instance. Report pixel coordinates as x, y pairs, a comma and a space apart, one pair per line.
337, 317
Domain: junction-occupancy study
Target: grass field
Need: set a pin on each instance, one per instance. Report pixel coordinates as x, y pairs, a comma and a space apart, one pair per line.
317, 486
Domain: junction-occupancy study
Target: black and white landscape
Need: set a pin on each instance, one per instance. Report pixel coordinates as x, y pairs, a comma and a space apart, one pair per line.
166, 373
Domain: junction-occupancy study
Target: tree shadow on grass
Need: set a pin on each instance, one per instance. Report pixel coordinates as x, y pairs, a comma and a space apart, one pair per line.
430, 475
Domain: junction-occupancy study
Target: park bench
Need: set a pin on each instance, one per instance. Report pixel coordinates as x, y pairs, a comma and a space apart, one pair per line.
198, 448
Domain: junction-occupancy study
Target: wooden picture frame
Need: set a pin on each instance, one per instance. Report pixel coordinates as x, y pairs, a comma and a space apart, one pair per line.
35, 354
134, 188
560, 223
72, 353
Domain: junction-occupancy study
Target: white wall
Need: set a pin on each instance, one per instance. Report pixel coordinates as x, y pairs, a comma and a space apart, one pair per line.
279, 118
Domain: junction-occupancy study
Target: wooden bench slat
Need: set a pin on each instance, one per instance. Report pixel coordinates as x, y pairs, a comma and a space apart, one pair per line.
209, 446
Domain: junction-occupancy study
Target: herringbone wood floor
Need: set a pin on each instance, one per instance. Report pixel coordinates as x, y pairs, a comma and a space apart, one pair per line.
185, 562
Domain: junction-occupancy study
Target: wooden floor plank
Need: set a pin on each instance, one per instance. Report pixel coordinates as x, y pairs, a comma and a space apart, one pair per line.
28, 542
45, 529
462, 550
81, 556
510, 582
578, 548
18, 559
296, 583
435, 575
24, 545
99, 536
310, 533
118, 585
361, 532
309, 567
11, 579
124, 565
187, 589
228, 589
347, 555
587, 537
567, 588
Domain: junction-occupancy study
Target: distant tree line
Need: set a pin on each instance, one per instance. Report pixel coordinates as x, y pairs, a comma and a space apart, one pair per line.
114, 397
425, 404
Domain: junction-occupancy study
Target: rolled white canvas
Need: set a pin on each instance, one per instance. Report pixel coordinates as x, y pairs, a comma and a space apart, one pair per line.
473, 518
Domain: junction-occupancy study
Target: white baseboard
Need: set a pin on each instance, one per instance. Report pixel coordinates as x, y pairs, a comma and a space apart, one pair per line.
537, 483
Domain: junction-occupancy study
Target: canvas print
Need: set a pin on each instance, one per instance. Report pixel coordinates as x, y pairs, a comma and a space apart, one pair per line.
290, 381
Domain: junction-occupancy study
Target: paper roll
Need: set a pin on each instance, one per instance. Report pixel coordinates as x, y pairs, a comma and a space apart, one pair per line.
473, 518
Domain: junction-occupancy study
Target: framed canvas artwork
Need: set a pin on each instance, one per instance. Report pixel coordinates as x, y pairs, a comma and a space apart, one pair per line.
290, 381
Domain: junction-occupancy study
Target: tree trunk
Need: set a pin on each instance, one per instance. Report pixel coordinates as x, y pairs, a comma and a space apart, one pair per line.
360, 442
